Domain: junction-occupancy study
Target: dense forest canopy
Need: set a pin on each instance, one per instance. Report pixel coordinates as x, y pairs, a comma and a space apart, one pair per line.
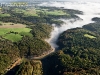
79, 52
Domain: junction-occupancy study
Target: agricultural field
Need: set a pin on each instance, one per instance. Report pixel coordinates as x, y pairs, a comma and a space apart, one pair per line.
27, 12
55, 12
14, 32
52, 12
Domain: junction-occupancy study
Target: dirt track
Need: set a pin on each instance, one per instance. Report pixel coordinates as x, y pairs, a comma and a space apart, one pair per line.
16, 62
43, 55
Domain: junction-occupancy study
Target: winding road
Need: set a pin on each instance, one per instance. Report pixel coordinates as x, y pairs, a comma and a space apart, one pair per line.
43, 55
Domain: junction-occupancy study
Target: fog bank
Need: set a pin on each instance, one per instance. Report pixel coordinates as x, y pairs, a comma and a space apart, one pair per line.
89, 9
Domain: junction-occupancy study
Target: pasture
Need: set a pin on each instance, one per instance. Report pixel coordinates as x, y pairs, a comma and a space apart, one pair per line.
14, 32
55, 12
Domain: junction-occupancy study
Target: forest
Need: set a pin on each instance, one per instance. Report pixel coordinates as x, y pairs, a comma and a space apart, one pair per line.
79, 49
78, 54
35, 25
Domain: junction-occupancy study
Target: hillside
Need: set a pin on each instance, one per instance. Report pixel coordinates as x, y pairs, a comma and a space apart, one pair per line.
78, 55
22, 35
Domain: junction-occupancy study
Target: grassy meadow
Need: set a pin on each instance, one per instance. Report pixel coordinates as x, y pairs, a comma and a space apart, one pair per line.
55, 12
14, 32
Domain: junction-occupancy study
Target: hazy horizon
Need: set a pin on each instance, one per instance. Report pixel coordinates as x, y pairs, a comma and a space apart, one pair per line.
53, 0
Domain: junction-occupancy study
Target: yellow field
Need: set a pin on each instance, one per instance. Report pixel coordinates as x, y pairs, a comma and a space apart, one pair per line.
89, 36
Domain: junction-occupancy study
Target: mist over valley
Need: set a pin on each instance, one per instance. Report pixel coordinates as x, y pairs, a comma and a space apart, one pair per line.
89, 9
41, 37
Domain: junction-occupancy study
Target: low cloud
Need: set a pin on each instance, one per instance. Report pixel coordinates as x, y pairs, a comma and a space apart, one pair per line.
89, 9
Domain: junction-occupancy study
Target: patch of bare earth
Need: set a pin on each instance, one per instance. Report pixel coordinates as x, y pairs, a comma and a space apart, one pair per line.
10, 25
16, 62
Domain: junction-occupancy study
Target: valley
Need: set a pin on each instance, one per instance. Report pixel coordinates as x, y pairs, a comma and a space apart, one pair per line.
61, 38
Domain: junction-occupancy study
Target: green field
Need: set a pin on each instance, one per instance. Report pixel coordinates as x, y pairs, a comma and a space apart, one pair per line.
34, 11
27, 12
4, 15
52, 12
13, 37
89, 36
14, 34
55, 12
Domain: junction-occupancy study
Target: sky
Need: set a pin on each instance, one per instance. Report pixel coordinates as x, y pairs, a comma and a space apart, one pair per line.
53, 0
86, 0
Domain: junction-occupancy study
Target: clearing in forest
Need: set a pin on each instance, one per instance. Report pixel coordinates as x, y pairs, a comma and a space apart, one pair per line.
89, 36
14, 32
